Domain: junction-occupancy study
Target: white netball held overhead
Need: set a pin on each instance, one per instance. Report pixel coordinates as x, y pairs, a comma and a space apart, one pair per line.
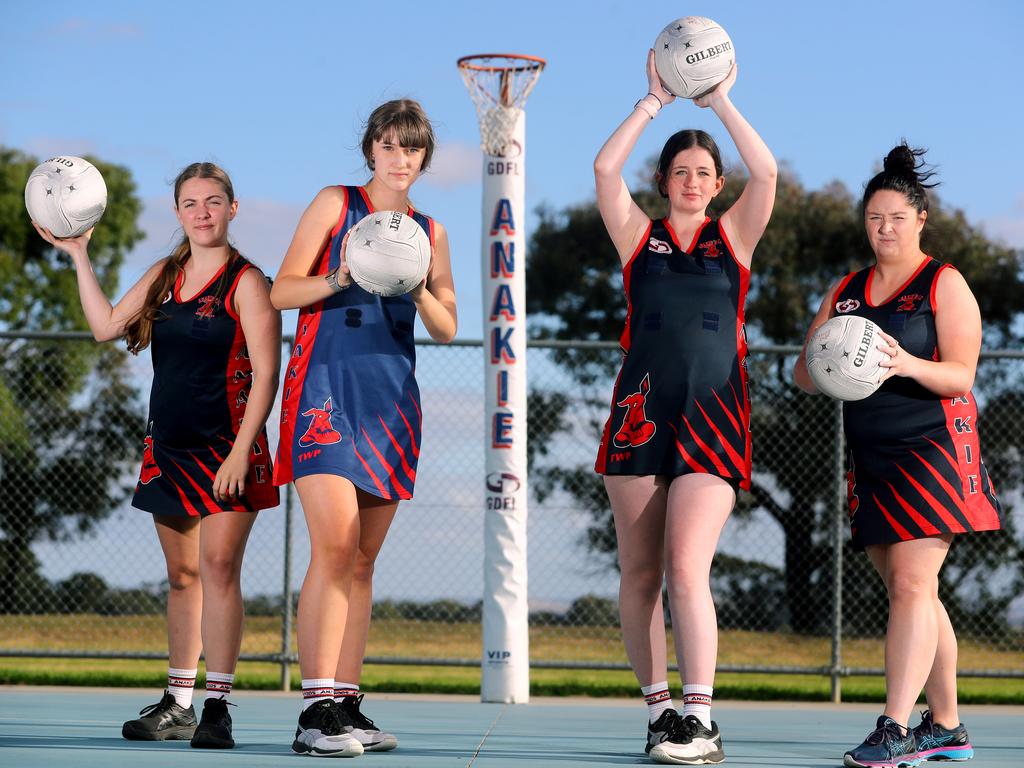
388, 253
843, 357
66, 195
693, 55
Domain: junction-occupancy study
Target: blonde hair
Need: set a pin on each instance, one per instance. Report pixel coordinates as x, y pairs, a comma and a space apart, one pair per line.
139, 331
404, 121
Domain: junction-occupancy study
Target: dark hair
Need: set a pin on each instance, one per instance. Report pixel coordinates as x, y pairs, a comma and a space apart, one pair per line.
139, 331
676, 143
903, 171
406, 122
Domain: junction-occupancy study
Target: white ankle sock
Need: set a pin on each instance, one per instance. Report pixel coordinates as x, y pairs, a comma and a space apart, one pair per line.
181, 683
316, 689
697, 702
219, 685
658, 699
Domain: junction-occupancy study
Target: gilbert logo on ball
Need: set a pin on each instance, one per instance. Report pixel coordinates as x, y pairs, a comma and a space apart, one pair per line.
66, 195
693, 55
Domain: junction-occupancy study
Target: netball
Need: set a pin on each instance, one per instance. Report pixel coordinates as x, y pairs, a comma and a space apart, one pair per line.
843, 357
66, 195
693, 55
388, 253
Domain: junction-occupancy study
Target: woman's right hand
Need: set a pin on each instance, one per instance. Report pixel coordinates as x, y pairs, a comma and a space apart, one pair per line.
75, 247
654, 84
344, 275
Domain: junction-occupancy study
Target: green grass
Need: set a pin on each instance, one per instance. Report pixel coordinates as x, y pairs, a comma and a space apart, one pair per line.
423, 639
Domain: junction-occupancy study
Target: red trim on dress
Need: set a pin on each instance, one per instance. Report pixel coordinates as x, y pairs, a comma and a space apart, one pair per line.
835, 294
181, 279
935, 285
871, 272
696, 235
229, 298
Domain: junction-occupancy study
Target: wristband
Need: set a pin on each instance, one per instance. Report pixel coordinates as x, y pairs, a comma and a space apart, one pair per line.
332, 280
646, 107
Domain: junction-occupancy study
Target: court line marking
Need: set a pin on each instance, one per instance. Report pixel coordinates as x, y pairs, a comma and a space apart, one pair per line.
480, 746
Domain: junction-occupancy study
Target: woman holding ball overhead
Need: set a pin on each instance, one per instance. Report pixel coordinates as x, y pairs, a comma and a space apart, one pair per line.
676, 447
350, 419
205, 313
916, 475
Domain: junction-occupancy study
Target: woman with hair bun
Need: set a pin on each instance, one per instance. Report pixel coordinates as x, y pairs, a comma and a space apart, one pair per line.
216, 343
916, 477
350, 419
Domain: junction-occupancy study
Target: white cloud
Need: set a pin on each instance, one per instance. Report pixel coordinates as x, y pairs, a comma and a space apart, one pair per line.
455, 164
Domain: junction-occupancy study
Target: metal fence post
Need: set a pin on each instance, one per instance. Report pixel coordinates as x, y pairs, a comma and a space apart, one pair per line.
286, 596
839, 520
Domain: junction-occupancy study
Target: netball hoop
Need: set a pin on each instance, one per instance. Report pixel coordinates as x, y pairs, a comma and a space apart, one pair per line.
499, 84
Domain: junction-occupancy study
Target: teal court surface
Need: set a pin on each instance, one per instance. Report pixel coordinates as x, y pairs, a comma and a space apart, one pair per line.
81, 727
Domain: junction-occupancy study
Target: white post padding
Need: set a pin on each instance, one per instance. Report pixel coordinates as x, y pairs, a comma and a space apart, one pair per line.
505, 664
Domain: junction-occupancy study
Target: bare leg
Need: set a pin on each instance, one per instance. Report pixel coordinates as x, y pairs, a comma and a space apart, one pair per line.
940, 689
332, 516
698, 507
375, 516
911, 572
179, 540
638, 506
222, 543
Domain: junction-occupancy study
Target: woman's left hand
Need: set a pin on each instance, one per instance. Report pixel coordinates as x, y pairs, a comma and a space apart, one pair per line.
899, 361
720, 91
229, 483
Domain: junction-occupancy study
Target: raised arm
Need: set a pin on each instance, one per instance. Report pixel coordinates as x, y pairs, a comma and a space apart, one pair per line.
106, 321
622, 217
435, 296
294, 287
746, 220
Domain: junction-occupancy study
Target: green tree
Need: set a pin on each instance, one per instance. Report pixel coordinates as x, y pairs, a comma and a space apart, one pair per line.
69, 414
574, 291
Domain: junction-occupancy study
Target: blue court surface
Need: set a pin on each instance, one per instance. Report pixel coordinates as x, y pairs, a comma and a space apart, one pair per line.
81, 727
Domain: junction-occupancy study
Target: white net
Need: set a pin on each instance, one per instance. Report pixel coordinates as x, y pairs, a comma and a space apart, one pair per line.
499, 85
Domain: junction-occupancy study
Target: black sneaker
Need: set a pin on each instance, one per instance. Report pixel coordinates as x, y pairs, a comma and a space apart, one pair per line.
679, 740
214, 730
934, 742
885, 747
369, 735
163, 721
324, 731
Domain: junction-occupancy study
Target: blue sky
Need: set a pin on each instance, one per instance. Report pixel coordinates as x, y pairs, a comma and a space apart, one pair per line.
277, 95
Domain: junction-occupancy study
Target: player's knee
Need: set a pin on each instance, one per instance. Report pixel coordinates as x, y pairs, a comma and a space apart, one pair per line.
909, 585
642, 578
182, 575
220, 568
364, 567
335, 558
687, 578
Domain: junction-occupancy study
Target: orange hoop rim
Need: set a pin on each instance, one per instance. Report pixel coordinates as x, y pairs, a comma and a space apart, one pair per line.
530, 63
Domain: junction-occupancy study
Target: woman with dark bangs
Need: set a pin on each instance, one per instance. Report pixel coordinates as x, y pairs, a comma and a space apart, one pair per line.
350, 419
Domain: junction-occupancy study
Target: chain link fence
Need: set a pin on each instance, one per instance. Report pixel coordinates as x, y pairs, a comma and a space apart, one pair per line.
82, 575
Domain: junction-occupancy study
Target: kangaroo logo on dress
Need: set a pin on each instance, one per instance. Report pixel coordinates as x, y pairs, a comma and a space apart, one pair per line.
636, 429
150, 470
847, 306
710, 249
207, 306
320, 431
908, 302
658, 246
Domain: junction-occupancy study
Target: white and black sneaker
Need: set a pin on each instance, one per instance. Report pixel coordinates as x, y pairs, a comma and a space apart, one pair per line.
679, 740
324, 731
369, 735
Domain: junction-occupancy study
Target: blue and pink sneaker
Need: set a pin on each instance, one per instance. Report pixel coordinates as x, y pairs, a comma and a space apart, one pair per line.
937, 743
888, 746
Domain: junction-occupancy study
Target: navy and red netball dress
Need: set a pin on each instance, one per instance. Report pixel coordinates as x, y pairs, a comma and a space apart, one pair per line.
351, 403
680, 402
915, 462
201, 382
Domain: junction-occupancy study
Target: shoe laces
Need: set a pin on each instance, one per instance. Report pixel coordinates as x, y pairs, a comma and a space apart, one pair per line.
330, 718
351, 706
927, 720
682, 729
164, 704
888, 732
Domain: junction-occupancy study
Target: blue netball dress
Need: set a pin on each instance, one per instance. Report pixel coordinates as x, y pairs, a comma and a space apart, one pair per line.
351, 404
915, 466
680, 402
201, 382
